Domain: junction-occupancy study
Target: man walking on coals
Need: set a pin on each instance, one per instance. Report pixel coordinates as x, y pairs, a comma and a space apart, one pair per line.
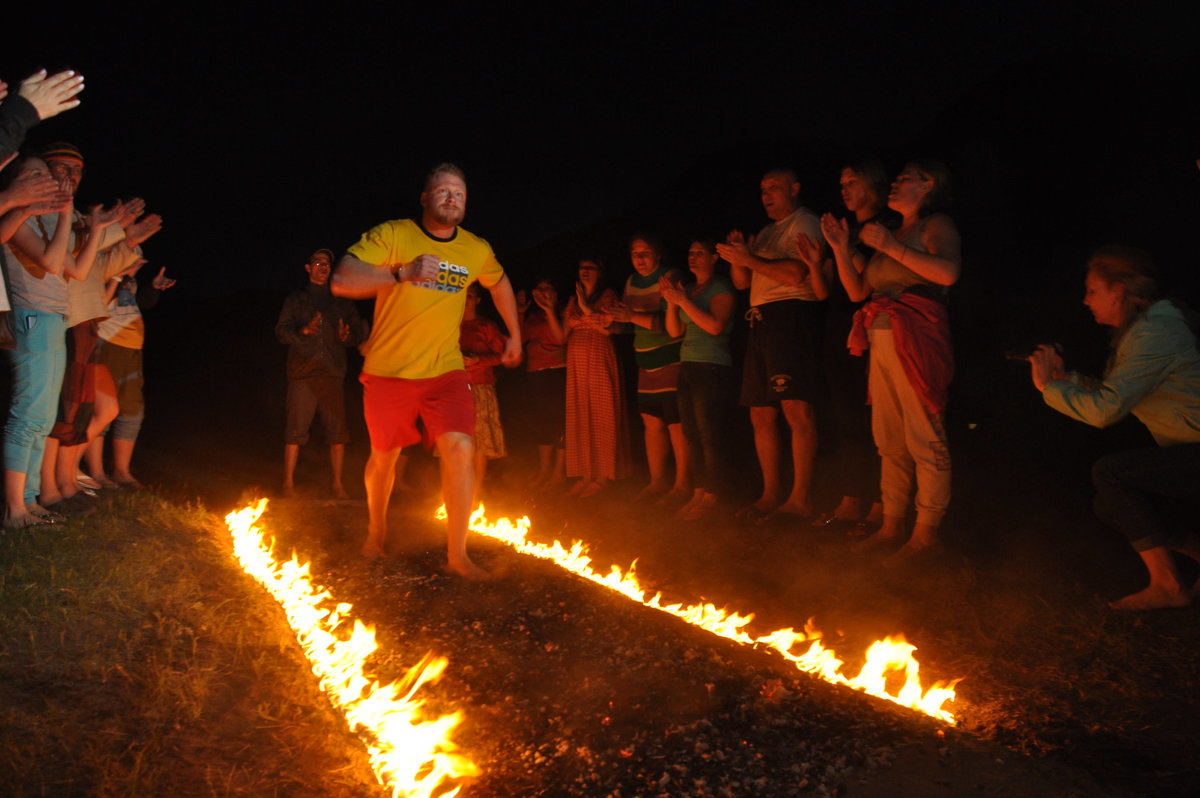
418, 272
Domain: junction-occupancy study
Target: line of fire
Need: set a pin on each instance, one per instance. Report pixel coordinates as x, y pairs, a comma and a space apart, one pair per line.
413, 754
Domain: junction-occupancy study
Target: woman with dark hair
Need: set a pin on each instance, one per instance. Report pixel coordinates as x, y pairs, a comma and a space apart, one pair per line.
906, 326
595, 430
864, 189
546, 366
702, 313
1153, 373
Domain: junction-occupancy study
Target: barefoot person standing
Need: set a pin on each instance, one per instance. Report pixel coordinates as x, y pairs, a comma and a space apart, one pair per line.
318, 329
417, 272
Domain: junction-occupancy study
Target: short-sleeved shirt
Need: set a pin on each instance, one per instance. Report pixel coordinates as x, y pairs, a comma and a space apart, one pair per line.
777, 241
699, 345
415, 334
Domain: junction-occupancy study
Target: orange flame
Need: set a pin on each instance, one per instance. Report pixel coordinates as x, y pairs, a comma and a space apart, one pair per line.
885, 658
410, 755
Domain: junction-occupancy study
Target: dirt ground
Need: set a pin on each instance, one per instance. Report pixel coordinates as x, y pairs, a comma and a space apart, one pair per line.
568, 690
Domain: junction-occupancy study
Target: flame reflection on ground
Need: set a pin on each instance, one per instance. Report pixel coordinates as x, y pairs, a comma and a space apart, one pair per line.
410, 755
886, 660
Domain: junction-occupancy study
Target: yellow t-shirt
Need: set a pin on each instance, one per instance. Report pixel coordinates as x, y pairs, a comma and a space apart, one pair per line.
415, 334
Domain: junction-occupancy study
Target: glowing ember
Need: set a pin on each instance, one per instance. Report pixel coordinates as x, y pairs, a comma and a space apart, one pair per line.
410, 755
886, 660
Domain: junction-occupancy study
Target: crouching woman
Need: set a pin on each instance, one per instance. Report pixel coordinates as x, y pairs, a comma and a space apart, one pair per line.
1154, 373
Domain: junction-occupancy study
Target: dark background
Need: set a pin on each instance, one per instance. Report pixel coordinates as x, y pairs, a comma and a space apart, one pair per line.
263, 135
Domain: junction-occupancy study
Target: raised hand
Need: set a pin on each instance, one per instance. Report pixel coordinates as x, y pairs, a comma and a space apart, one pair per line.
836, 231
132, 269
736, 249
343, 331
100, 217
546, 299
876, 236
670, 290
33, 188
313, 325
581, 297
1047, 366
144, 228
161, 281
133, 209
810, 250
53, 94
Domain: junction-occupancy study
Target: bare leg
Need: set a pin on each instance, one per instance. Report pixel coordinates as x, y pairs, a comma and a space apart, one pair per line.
378, 477
401, 483
67, 467
1164, 590
457, 452
337, 456
545, 464
683, 476
658, 449
291, 453
50, 492
122, 457
95, 461
480, 472
801, 421
14, 497
766, 445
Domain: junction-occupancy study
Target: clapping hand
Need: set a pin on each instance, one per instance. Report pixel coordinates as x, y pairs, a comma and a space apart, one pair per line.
876, 236
141, 230
670, 290
162, 282
313, 325
53, 94
836, 231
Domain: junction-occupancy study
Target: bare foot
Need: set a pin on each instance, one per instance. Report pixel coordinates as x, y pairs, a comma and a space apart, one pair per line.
28, 520
1153, 597
702, 508
340, 493
372, 551
877, 541
594, 489
468, 570
651, 490
288, 491
127, 481
752, 512
909, 551
579, 487
674, 495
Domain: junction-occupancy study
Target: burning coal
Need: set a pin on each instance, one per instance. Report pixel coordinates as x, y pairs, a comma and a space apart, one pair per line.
411, 755
888, 662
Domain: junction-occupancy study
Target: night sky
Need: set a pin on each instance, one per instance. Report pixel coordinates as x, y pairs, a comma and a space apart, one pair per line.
260, 137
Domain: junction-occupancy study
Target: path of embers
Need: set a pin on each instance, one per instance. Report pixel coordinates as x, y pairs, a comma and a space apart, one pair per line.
888, 661
411, 756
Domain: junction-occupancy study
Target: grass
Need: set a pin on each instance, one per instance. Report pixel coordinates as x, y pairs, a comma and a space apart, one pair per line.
138, 660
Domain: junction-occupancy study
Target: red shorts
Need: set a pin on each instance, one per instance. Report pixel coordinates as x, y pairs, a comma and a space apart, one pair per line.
391, 406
